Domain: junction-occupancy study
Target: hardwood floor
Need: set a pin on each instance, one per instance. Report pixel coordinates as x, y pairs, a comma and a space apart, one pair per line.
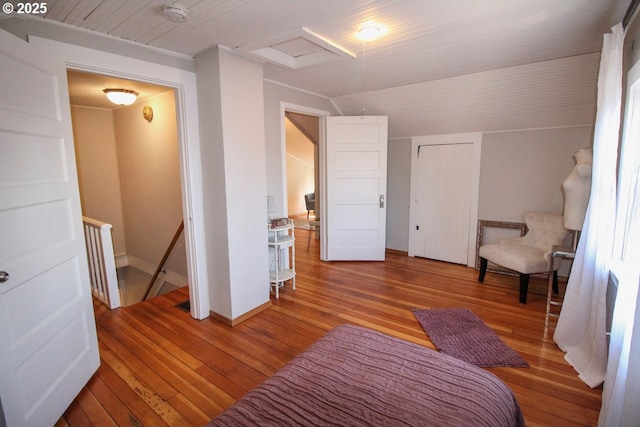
160, 367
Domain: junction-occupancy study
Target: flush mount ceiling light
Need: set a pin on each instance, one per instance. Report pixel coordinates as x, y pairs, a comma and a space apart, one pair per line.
121, 96
175, 12
370, 31
298, 49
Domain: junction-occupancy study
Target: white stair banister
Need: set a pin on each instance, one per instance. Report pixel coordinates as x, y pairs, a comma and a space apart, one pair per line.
102, 264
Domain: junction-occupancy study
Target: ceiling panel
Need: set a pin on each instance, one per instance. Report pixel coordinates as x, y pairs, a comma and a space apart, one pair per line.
541, 95
437, 59
426, 39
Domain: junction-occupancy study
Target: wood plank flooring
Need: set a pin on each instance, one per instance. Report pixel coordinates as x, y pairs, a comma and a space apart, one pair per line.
160, 367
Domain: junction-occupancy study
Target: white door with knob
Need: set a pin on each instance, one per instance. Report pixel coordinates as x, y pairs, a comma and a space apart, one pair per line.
356, 180
443, 217
442, 202
48, 343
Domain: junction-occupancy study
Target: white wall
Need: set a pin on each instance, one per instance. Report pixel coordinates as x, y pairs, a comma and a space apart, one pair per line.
231, 111
98, 175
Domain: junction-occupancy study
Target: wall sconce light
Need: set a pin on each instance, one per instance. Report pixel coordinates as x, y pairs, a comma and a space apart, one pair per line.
121, 96
147, 113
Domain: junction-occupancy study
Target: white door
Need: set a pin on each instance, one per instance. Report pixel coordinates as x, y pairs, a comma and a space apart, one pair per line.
442, 202
356, 177
48, 343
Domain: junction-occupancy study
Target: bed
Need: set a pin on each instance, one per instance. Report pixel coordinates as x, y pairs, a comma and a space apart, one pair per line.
354, 376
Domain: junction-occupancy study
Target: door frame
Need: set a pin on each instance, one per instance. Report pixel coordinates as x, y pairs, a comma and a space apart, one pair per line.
184, 84
475, 138
321, 115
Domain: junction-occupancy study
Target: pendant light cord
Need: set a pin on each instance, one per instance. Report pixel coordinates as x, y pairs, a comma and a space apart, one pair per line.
362, 80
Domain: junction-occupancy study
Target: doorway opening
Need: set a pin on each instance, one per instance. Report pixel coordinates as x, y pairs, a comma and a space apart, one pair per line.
302, 135
129, 176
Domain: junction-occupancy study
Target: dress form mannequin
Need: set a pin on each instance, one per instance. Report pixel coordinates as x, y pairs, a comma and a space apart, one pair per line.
576, 189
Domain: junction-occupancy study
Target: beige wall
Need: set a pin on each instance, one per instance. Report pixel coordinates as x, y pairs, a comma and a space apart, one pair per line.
398, 192
524, 170
300, 176
150, 177
98, 175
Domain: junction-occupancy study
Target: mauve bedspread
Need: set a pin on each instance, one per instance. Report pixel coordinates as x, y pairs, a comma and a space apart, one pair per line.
355, 376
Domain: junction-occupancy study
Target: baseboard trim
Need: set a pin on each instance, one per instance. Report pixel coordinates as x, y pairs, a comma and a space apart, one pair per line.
240, 319
121, 260
396, 251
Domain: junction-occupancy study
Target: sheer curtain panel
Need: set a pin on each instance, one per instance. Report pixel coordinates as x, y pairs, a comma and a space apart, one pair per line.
581, 327
622, 382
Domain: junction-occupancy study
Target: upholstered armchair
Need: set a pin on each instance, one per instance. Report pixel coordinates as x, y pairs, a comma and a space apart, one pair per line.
310, 202
528, 254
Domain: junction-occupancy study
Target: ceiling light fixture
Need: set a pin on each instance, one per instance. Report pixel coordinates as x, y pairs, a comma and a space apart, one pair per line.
121, 96
370, 31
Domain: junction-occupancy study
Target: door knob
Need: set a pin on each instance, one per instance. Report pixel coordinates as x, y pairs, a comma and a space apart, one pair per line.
4, 276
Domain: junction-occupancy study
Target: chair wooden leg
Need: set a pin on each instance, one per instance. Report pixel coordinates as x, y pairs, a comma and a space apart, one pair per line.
483, 269
555, 282
524, 287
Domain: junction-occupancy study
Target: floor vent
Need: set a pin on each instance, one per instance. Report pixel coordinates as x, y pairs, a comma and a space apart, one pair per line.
184, 306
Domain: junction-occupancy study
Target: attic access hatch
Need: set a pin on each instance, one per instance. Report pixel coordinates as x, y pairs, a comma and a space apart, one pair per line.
296, 50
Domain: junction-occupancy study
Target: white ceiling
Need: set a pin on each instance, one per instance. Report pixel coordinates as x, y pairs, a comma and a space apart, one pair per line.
431, 46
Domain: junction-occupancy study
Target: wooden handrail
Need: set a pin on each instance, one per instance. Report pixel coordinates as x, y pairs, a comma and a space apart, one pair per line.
164, 259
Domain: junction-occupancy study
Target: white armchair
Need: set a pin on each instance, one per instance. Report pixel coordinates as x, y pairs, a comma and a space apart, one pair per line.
528, 254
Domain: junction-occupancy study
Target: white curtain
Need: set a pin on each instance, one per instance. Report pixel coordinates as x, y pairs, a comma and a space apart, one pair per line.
622, 383
580, 331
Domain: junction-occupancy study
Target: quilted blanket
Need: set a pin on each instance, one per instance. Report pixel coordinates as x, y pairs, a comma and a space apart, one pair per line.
355, 376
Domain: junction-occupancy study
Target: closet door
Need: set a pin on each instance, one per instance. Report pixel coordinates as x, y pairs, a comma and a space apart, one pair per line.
442, 202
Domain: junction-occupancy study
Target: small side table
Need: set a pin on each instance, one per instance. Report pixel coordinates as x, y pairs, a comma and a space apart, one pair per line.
282, 239
558, 252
